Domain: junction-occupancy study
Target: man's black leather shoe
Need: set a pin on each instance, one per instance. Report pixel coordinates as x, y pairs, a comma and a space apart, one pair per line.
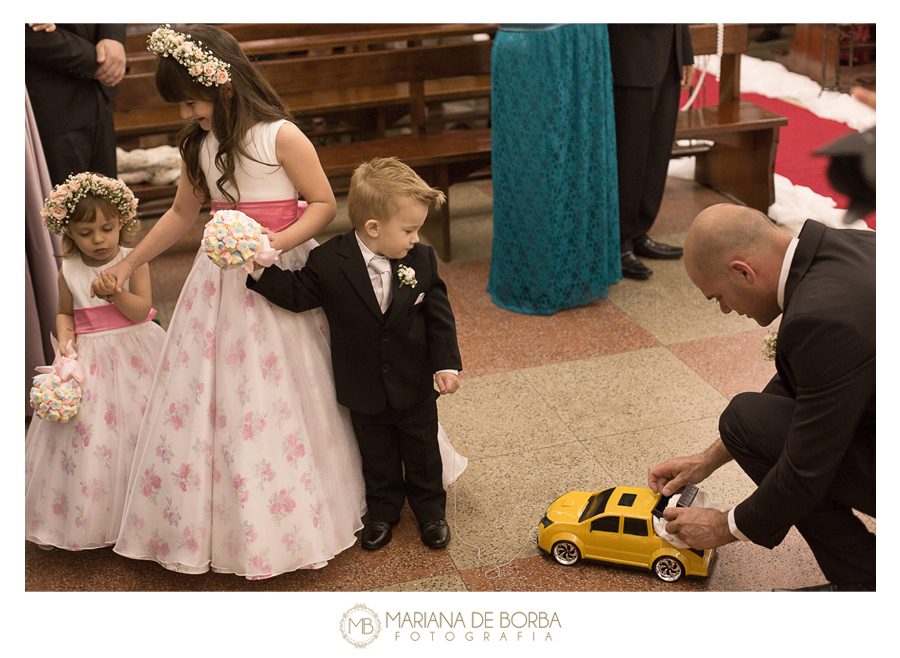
633, 268
647, 248
833, 587
376, 534
435, 534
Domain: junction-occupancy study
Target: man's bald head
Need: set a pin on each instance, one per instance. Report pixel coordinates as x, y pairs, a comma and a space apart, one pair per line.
727, 232
734, 254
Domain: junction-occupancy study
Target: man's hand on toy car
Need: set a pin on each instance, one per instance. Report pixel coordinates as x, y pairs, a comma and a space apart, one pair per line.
700, 528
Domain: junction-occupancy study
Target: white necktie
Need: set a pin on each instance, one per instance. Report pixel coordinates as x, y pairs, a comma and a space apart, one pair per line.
382, 266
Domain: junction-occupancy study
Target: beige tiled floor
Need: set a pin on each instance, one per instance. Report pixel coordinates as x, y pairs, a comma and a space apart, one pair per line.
584, 399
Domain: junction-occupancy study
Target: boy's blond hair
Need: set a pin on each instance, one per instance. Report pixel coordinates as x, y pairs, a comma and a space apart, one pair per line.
378, 186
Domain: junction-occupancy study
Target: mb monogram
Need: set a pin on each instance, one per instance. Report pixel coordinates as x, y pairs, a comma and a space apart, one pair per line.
360, 625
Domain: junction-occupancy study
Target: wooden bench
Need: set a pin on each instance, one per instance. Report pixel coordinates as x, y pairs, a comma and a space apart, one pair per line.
408, 78
140, 112
741, 162
285, 40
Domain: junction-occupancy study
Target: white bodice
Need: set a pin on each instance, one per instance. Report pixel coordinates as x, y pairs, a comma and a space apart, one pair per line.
79, 277
257, 181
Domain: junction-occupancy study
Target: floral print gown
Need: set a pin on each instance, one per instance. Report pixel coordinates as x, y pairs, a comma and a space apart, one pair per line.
76, 473
245, 462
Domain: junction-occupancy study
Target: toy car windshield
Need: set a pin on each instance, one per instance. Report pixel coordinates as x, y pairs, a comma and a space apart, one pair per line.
596, 504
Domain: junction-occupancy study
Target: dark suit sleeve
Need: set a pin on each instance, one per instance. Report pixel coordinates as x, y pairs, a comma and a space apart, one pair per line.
776, 387
835, 380
62, 51
440, 325
114, 31
296, 291
687, 47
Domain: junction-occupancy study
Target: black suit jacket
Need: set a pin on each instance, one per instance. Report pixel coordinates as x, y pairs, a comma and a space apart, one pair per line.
378, 359
825, 360
59, 74
640, 53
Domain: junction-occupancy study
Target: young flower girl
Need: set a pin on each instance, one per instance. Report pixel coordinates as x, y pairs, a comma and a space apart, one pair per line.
76, 472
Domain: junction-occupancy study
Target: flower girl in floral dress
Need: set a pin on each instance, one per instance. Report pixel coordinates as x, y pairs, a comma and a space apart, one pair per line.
76, 472
245, 462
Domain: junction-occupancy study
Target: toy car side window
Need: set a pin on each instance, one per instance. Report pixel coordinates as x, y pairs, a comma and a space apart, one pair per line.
636, 527
605, 524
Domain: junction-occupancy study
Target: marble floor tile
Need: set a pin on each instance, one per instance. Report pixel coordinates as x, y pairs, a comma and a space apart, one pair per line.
671, 309
596, 329
628, 456
447, 583
541, 574
732, 364
494, 508
683, 200
500, 414
624, 392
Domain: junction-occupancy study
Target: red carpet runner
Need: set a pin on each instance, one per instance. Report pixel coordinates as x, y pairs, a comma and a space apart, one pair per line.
804, 134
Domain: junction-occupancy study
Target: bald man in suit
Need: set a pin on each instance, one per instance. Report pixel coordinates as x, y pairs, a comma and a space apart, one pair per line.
808, 439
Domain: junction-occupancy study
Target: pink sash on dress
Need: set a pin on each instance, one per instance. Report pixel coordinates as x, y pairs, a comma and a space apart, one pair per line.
91, 319
274, 215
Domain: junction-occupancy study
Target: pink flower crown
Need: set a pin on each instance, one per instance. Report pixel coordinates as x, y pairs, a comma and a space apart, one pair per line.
64, 197
204, 67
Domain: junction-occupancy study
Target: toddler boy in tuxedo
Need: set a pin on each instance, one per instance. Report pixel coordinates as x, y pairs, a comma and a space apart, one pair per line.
393, 337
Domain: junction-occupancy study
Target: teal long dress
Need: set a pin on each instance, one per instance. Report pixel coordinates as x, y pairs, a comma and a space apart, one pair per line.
556, 216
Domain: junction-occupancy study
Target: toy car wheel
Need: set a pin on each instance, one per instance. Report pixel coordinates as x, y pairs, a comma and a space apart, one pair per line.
566, 553
668, 569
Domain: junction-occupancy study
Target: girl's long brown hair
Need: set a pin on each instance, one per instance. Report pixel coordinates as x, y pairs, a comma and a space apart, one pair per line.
253, 100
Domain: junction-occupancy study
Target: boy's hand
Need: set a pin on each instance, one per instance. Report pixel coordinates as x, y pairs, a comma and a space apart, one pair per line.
447, 382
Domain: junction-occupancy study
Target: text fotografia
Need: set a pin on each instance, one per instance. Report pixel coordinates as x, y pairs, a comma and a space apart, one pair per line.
478, 626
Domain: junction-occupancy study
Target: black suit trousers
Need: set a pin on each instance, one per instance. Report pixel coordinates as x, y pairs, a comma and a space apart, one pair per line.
390, 441
753, 428
645, 132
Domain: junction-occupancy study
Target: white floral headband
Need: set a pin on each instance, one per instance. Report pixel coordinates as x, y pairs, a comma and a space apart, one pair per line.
205, 67
63, 199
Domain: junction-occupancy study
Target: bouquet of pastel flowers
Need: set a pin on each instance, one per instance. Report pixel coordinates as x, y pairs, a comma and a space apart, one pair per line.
55, 392
234, 241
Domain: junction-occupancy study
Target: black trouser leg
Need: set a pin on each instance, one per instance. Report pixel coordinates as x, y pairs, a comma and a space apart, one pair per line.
393, 442
754, 428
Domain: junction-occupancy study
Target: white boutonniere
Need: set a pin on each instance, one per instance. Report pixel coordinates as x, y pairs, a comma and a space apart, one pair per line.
768, 347
407, 276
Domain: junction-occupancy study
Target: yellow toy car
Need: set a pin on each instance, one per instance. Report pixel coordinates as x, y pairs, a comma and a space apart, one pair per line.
616, 525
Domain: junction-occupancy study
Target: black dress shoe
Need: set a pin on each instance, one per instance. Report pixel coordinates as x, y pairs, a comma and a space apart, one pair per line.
435, 534
833, 587
647, 248
376, 534
633, 268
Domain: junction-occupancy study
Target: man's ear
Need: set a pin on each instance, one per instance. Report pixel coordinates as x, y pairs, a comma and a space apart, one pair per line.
372, 227
742, 272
